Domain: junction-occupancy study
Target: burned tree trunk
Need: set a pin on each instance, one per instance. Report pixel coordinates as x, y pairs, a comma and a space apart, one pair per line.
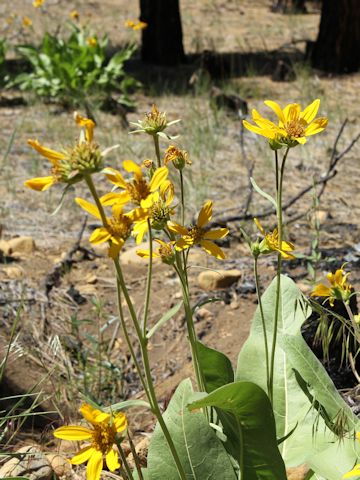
337, 48
289, 6
162, 39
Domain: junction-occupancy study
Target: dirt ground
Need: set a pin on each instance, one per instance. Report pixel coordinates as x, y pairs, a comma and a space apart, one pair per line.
44, 341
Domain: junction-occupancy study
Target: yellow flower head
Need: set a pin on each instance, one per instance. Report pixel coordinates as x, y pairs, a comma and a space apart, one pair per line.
136, 190
26, 22
198, 235
71, 164
117, 229
339, 288
178, 157
154, 122
158, 211
135, 25
74, 14
165, 252
293, 126
270, 243
38, 3
101, 437
92, 41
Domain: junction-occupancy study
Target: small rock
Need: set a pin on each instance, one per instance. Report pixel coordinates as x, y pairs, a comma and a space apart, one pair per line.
297, 473
131, 257
5, 248
204, 314
22, 245
60, 465
212, 280
322, 215
13, 272
33, 465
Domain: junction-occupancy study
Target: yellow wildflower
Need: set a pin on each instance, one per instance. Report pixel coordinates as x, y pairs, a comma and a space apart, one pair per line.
26, 22
197, 235
293, 127
69, 165
102, 437
154, 123
38, 3
157, 206
339, 288
136, 190
135, 25
74, 14
165, 252
270, 243
117, 229
92, 41
178, 157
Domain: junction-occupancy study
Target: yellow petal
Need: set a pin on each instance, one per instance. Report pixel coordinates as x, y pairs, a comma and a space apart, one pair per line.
301, 140
120, 422
150, 200
355, 472
138, 214
277, 109
260, 131
140, 228
321, 291
160, 175
52, 155
94, 466
291, 112
112, 460
87, 123
182, 244
40, 184
317, 126
205, 214
259, 226
143, 253
88, 412
88, 207
310, 111
212, 249
112, 197
216, 234
132, 167
99, 235
73, 433
114, 250
83, 455
177, 228
262, 122
115, 177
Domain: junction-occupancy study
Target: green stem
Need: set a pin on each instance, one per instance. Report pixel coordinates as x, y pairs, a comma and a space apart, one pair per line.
279, 185
157, 149
135, 456
124, 461
182, 197
148, 280
149, 386
258, 293
147, 371
191, 330
95, 196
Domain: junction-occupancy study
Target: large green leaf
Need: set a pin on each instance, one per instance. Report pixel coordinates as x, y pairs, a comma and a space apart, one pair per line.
291, 405
215, 366
201, 452
254, 419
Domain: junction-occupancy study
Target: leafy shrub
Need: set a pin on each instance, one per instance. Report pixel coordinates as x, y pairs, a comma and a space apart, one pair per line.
76, 71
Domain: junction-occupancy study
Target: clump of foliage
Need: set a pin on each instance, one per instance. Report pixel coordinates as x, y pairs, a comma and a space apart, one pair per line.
76, 71
2, 61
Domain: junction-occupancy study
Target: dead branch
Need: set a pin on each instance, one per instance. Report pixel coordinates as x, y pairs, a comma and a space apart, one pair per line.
323, 181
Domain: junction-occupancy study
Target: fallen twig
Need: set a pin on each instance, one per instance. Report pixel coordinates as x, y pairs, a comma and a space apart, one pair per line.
53, 278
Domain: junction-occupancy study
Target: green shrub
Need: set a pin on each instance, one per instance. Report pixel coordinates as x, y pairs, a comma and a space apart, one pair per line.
76, 71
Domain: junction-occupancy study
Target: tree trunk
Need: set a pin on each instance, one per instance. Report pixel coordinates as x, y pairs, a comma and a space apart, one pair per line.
289, 6
162, 39
337, 48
